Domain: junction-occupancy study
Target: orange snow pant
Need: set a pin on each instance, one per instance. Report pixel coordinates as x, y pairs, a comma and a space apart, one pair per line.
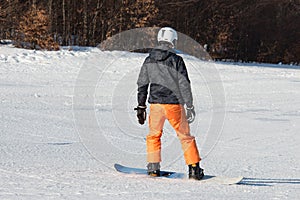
175, 114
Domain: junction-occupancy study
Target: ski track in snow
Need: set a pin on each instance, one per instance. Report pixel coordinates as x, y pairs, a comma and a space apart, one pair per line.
43, 156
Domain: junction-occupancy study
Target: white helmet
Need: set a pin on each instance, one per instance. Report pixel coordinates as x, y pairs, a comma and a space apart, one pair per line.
167, 34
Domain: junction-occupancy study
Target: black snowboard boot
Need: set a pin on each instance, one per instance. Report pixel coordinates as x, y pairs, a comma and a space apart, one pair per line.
195, 172
153, 169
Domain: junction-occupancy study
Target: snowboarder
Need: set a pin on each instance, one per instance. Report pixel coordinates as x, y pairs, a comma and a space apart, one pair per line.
166, 74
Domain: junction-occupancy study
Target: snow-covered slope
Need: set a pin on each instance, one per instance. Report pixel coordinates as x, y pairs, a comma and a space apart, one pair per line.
67, 117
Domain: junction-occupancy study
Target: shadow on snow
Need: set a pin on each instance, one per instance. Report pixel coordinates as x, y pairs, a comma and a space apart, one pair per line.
268, 181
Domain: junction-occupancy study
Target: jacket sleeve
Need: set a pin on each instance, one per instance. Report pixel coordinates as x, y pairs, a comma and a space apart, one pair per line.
184, 83
143, 84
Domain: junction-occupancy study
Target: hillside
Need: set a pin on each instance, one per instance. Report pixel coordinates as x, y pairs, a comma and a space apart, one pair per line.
62, 131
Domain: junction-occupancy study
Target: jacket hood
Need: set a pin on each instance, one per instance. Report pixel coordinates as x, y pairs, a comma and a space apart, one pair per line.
161, 53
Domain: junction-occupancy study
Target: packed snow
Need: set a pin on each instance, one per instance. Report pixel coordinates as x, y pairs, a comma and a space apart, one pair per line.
67, 117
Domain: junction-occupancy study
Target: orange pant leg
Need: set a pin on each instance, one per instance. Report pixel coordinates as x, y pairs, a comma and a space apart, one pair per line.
177, 118
156, 123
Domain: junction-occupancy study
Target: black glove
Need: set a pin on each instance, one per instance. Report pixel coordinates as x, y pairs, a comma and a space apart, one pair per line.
141, 114
190, 114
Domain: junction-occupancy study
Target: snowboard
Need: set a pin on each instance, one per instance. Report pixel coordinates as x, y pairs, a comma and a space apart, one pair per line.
175, 175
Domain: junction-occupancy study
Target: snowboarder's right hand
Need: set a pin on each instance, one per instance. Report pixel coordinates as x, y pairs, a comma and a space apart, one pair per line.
190, 114
141, 114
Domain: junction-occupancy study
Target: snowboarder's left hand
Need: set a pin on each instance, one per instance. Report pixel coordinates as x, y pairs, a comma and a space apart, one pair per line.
141, 114
190, 114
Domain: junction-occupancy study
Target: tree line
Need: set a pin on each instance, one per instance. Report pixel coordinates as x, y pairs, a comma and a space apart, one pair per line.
239, 30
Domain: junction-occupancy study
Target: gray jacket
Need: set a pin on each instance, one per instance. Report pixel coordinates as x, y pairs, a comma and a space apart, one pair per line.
167, 76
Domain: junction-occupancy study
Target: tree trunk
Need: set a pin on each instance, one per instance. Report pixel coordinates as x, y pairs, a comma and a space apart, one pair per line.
99, 6
85, 23
64, 21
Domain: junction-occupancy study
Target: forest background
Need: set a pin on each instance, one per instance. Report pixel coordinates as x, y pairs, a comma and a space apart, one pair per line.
232, 30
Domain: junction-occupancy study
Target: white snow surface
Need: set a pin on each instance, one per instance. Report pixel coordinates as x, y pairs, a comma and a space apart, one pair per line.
51, 147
